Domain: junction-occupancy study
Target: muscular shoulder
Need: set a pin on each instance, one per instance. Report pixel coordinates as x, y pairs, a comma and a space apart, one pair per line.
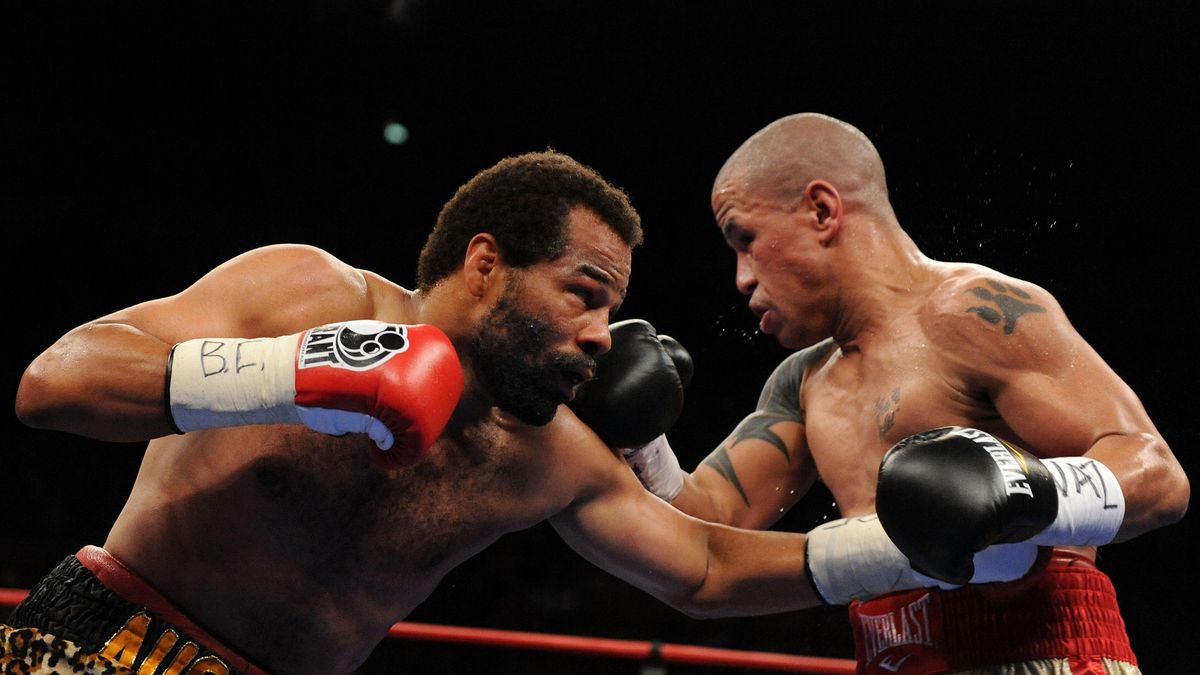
984, 319
781, 393
298, 262
283, 288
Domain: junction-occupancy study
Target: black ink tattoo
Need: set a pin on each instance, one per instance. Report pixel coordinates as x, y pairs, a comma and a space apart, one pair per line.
778, 402
719, 460
885, 412
758, 425
1010, 308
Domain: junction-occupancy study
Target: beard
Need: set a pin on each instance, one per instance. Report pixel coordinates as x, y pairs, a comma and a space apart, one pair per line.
512, 354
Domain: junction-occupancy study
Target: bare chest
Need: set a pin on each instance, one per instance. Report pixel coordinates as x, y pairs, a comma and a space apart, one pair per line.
859, 405
239, 527
417, 522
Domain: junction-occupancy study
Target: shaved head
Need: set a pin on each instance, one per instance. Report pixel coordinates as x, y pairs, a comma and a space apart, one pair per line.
785, 156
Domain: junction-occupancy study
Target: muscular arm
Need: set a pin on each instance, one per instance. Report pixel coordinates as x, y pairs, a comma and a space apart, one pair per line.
763, 468
1058, 396
702, 569
106, 378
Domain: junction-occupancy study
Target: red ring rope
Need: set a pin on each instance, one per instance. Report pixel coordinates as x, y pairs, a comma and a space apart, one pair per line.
620, 649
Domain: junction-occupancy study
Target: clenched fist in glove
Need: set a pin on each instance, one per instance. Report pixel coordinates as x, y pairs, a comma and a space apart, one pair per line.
396, 383
947, 493
634, 399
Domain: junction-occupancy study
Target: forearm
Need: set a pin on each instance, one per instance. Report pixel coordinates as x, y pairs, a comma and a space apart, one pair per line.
1154, 485
751, 573
839, 562
102, 380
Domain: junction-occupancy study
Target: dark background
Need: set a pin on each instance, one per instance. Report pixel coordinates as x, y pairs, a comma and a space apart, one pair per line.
144, 143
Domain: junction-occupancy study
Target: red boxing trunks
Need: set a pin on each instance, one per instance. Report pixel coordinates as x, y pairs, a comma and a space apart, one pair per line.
93, 614
1067, 610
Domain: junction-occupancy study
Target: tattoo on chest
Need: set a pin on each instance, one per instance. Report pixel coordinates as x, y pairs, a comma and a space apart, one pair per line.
885, 412
1010, 304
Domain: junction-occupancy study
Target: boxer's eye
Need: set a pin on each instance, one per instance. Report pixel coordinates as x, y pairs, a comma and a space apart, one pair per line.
584, 294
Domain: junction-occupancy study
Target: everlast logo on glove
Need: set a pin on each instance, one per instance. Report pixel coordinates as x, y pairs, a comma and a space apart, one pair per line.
354, 345
1008, 459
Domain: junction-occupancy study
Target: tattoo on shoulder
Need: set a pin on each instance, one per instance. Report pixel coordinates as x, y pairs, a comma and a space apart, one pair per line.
778, 402
1011, 303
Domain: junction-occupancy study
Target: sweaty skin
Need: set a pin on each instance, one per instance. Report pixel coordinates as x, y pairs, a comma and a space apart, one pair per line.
299, 551
892, 343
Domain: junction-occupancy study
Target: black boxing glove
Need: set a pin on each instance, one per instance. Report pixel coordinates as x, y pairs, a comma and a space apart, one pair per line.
947, 493
635, 397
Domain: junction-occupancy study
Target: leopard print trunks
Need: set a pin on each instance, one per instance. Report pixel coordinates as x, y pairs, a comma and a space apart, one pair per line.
93, 616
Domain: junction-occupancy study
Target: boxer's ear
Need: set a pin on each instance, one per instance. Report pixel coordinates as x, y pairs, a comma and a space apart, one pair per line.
480, 263
826, 205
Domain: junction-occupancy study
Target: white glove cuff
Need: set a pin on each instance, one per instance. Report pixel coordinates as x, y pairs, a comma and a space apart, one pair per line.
656, 465
853, 559
1091, 505
225, 382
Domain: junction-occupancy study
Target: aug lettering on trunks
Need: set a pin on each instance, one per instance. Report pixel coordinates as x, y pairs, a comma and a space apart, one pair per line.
907, 624
1009, 460
125, 646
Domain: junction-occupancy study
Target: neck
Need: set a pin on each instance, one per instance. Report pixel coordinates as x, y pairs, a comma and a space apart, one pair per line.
885, 276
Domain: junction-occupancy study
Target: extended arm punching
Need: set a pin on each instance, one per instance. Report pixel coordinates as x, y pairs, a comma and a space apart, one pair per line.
843, 560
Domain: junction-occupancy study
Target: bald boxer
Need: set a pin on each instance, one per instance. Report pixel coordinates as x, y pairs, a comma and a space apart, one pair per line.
327, 445
982, 370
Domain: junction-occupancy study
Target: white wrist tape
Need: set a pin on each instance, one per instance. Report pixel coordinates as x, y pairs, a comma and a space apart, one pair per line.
656, 465
853, 559
225, 382
1091, 505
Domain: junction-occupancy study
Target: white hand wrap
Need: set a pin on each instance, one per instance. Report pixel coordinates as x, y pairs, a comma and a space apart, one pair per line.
224, 382
853, 559
1091, 505
656, 465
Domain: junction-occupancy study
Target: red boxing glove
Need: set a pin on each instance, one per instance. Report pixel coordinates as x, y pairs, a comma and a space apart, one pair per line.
398, 384
406, 377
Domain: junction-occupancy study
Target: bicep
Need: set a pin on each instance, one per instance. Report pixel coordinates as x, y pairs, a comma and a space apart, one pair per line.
764, 467
1067, 399
755, 475
1084, 408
